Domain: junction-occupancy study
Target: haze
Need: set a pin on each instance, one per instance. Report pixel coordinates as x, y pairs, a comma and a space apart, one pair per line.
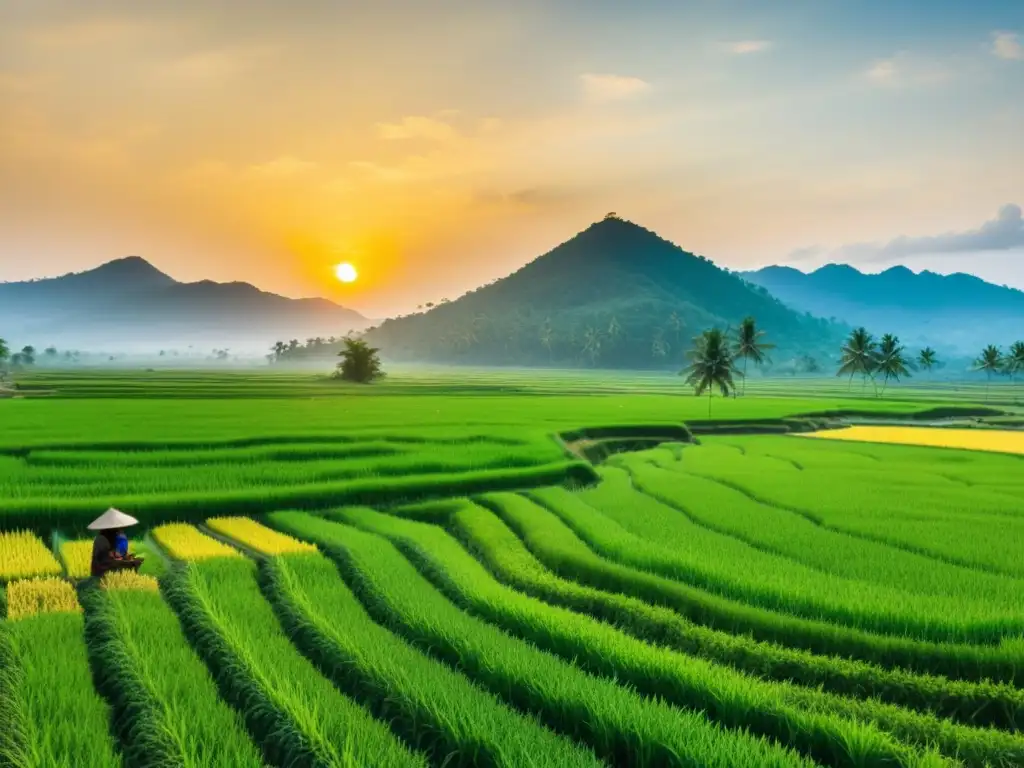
438, 146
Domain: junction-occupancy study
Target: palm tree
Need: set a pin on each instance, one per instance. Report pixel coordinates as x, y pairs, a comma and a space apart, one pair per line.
858, 355
990, 361
892, 360
711, 365
926, 359
749, 347
1015, 360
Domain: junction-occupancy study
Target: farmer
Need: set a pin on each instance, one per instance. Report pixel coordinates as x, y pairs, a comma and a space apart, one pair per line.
108, 553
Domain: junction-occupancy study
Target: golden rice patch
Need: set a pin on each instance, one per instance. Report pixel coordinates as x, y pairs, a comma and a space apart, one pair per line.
998, 441
186, 542
257, 537
128, 579
77, 557
30, 597
23, 555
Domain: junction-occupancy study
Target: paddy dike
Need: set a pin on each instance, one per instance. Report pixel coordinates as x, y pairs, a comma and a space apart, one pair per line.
596, 444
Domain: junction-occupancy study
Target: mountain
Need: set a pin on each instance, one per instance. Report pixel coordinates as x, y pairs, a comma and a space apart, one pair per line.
129, 305
615, 295
959, 313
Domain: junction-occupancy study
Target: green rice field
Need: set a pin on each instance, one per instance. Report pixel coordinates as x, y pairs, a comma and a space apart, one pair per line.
508, 568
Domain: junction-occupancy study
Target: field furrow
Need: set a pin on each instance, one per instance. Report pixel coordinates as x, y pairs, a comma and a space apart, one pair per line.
772, 709
51, 715
619, 724
166, 705
595, 550
290, 709
505, 555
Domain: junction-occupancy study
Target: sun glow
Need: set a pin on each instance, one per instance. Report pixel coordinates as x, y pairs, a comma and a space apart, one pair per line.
346, 273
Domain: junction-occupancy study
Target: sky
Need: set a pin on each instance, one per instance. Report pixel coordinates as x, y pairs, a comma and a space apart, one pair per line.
437, 146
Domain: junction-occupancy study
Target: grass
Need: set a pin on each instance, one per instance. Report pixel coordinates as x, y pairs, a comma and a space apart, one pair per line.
166, 707
769, 556
52, 716
505, 555
434, 708
751, 600
296, 715
734, 699
619, 724
571, 527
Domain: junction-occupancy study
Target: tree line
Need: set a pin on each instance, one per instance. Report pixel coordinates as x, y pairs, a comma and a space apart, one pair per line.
716, 355
27, 356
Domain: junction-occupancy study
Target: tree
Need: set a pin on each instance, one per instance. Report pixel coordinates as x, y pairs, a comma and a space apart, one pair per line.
1015, 360
990, 361
592, 344
927, 359
659, 349
711, 365
547, 337
892, 360
749, 346
675, 324
5, 351
359, 362
51, 353
858, 355
28, 355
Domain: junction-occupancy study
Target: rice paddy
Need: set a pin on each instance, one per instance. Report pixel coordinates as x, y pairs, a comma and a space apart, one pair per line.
999, 441
431, 572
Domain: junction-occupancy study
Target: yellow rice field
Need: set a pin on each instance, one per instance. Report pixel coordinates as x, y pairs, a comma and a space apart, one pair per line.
257, 537
998, 441
23, 555
29, 597
186, 542
77, 557
129, 580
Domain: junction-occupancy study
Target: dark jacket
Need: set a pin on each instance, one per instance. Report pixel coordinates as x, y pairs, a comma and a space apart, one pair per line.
102, 551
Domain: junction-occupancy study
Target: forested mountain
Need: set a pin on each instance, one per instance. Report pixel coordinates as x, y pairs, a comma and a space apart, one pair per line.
615, 295
959, 313
129, 304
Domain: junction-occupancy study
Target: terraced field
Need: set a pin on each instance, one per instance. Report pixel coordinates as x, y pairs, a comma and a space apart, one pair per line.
433, 579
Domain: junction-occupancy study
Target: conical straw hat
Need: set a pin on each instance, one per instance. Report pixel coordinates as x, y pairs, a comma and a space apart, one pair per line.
111, 519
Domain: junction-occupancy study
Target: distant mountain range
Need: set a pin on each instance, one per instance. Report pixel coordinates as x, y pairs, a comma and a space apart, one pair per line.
615, 295
957, 312
129, 305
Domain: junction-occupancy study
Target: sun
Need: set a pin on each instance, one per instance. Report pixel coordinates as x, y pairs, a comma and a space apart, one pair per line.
346, 272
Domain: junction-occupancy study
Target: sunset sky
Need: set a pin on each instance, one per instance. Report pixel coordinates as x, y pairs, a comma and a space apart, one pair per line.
439, 145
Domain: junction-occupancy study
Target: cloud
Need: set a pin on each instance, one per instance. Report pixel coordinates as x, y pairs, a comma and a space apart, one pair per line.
91, 33
533, 197
416, 127
380, 173
282, 167
22, 83
1007, 45
741, 47
603, 88
905, 70
213, 67
1003, 233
